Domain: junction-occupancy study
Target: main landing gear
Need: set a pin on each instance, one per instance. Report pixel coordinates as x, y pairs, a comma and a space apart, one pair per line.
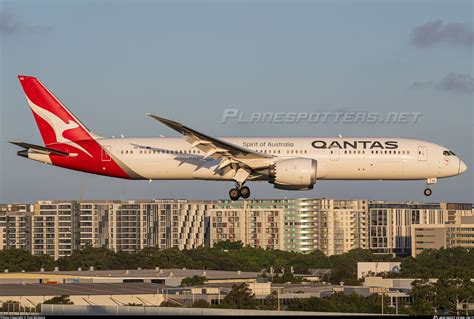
428, 190
239, 191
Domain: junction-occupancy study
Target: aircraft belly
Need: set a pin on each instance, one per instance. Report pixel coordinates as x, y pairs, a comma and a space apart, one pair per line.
180, 169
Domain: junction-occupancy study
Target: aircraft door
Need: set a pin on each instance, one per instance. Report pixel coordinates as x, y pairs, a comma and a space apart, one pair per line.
334, 153
105, 157
422, 153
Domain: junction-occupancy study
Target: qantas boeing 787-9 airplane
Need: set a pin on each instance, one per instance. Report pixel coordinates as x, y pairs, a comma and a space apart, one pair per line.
287, 162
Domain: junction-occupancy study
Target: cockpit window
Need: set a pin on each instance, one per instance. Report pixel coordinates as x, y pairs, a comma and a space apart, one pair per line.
448, 153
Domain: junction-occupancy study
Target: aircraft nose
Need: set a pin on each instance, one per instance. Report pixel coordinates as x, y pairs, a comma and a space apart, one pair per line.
462, 167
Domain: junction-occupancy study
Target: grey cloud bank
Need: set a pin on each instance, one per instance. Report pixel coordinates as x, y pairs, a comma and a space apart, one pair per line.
452, 82
434, 32
10, 25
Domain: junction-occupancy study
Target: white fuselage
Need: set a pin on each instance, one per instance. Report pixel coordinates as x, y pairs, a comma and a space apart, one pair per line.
337, 158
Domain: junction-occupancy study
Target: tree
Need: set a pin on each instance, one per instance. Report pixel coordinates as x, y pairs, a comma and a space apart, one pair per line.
169, 303
270, 302
201, 303
287, 276
240, 297
59, 300
339, 302
229, 245
15, 259
193, 281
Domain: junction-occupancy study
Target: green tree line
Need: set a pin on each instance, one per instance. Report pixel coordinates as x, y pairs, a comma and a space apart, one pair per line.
443, 263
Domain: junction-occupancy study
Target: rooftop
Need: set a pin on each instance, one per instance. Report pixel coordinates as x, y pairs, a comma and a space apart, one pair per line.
137, 273
78, 289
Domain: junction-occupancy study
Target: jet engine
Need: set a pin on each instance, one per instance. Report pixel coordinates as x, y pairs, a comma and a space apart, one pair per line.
293, 173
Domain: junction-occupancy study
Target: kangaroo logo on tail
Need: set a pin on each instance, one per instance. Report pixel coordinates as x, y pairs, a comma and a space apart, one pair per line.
58, 125
45, 106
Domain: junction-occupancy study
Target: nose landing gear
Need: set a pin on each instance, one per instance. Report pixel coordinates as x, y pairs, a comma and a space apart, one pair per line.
239, 191
428, 190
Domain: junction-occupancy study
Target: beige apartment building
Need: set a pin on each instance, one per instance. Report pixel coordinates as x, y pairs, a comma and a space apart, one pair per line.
255, 227
57, 228
15, 225
178, 224
443, 236
61, 227
309, 224
343, 225
52, 229
389, 224
453, 212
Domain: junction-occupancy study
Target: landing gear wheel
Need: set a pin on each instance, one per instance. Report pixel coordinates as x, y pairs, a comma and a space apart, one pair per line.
428, 192
234, 194
244, 192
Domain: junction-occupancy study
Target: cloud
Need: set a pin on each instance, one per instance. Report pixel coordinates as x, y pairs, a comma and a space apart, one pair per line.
434, 32
452, 82
10, 25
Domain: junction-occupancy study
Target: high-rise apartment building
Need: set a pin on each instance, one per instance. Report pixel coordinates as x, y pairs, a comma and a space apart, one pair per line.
343, 225
181, 224
253, 226
61, 227
443, 236
389, 224
453, 212
53, 232
15, 225
57, 228
300, 224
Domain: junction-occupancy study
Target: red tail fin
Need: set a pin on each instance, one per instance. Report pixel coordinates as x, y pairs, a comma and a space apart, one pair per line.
55, 122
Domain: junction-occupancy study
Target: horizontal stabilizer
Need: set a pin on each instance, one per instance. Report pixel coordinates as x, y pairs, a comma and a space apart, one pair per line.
39, 149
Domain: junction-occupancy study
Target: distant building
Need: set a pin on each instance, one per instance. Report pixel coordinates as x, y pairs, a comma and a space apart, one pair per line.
454, 211
389, 224
332, 226
57, 228
255, 227
15, 226
372, 268
443, 236
343, 225
301, 220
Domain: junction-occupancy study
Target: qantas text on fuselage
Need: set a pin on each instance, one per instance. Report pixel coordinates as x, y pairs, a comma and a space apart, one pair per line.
293, 163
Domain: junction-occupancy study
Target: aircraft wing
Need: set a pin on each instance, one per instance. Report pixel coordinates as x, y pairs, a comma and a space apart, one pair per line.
230, 154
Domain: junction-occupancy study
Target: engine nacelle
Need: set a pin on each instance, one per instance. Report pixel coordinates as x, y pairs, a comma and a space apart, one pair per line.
293, 173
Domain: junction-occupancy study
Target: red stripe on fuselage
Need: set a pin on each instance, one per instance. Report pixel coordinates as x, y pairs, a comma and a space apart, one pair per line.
84, 163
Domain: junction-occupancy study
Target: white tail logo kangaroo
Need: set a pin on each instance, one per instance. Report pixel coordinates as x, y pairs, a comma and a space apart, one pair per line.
58, 125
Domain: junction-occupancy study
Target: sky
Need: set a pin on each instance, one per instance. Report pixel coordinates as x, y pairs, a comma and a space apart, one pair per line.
111, 62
